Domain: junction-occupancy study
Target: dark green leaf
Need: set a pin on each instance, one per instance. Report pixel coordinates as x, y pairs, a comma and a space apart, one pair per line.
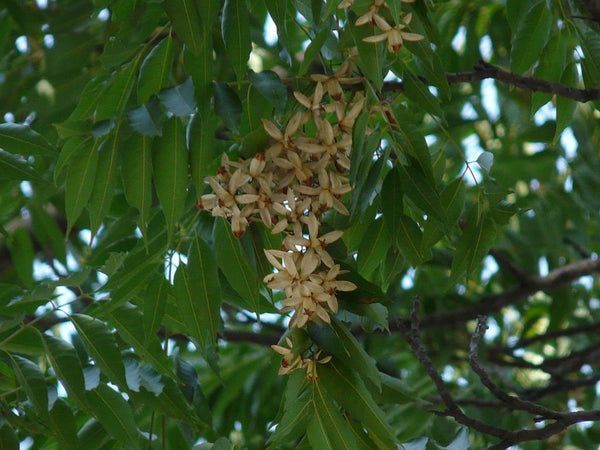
62, 423
155, 303
417, 91
531, 37
101, 345
373, 248
235, 27
22, 254
114, 99
67, 367
186, 22
270, 86
234, 263
180, 99
201, 142
313, 49
155, 70
14, 167
228, 106
327, 429
391, 200
147, 119
32, 380
22, 140
115, 415
170, 167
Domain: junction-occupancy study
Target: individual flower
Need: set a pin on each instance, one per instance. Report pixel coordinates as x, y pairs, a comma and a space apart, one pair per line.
290, 360
372, 15
394, 35
333, 83
283, 141
310, 365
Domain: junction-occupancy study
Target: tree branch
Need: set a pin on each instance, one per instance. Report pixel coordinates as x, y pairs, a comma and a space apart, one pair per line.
484, 70
490, 304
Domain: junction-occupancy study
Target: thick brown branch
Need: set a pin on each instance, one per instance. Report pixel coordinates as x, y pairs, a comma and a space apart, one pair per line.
513, 295
485, 70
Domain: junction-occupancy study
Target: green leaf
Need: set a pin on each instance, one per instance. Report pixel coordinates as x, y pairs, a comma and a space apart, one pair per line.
115, 415
373, 248
32, 380
101, 345
294, 421
147, 119
106, 179
136, 163
180, 99
590, 44
235, 28
114, 99
474, 243
565, 108
62, 423
531, 37
453, 201
47, 232
14, 167
155, 303
8, 437
67, 366
408, 238
420, 191
21, 140
417, 91
201, 142
327, 429
129, 322
348, 390
170, 167
70, 148
408, 139
551, 67
79, 184
186, 22
270, 86
371, 56
197, 294
394, 390
228, 106
235, 264
155, 70
391, 200
313, 49
22, 255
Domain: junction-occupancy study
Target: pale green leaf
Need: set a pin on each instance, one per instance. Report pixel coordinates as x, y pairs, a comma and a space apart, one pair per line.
180, 99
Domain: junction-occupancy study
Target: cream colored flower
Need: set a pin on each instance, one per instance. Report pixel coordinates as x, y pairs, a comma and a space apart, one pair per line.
290, 360
394, 35
310, 365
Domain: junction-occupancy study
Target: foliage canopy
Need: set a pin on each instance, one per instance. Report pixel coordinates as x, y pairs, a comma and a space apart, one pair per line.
400, 198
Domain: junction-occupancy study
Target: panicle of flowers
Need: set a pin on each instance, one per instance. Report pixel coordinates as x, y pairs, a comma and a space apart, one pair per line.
289, 186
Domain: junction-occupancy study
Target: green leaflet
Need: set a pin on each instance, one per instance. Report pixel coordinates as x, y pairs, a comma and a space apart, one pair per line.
114, 98
197, 293
531, 37
186, 22
155, 303
62, 423
106, 179
349, 391
373, 248
136, 173
236, 35
101, 345
13, 167
80, 177
201, 143
234, 264
114, 413
327, 429
22, 140
170, 167
67, 366
32, 380
155, 70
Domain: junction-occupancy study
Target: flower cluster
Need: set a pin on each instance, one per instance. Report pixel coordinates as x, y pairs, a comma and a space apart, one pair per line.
394, 35
291, 361
289, 186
